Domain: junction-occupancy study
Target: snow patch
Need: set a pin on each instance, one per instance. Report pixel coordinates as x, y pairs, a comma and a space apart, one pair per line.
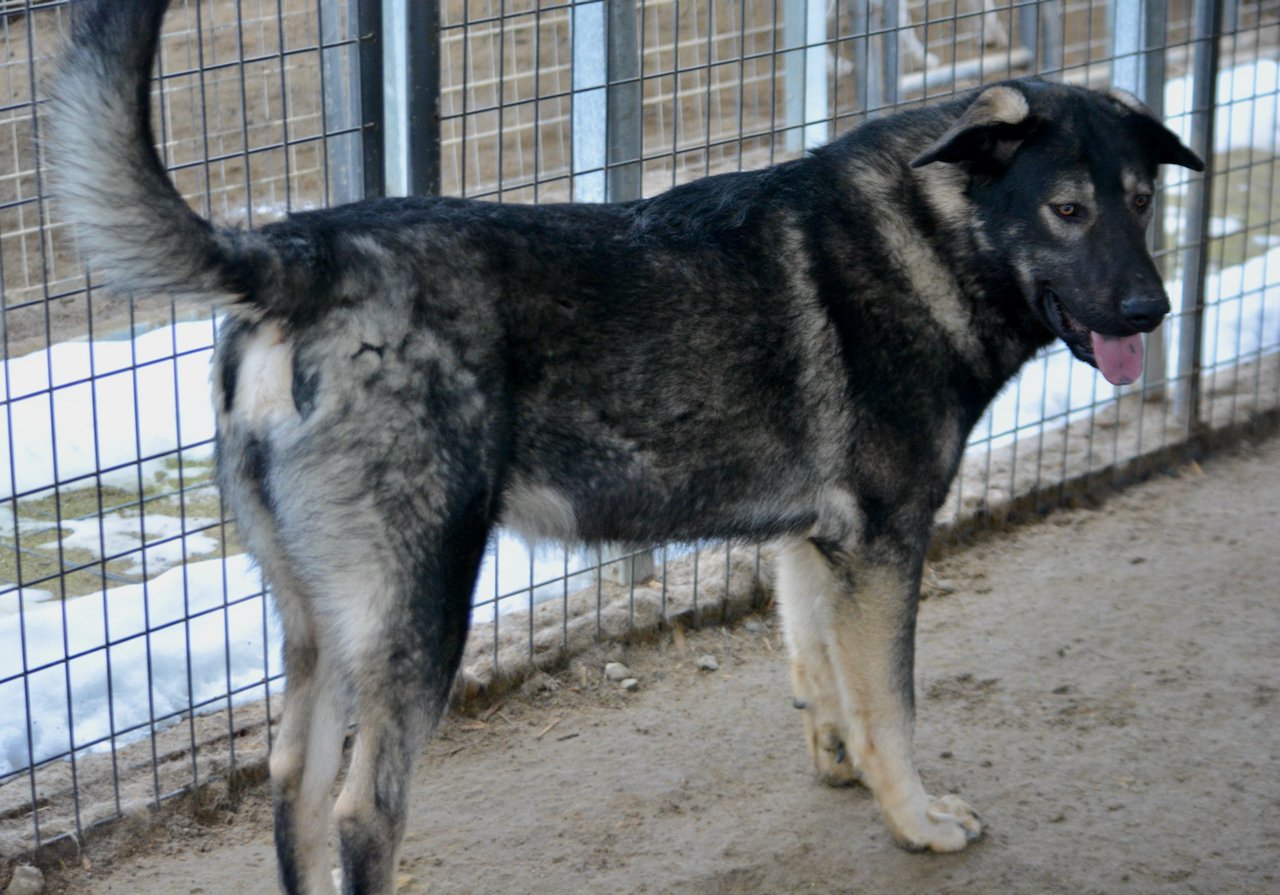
75, 671
1246, 115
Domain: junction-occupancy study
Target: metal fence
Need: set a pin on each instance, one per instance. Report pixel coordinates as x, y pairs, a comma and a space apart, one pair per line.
137, 654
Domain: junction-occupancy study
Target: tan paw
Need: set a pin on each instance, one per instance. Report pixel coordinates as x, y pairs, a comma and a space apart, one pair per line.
947, 824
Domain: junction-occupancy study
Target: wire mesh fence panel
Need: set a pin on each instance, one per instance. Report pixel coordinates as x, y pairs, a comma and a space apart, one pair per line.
136, 645
134, 631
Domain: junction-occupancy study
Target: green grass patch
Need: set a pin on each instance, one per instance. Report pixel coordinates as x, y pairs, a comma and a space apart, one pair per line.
1245, 193
34, 554
1244, 196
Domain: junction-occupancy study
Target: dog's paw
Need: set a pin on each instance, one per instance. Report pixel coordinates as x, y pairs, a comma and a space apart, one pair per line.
947, 824
831, 758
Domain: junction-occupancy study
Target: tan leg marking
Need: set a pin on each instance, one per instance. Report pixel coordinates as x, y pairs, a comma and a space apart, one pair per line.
845, 671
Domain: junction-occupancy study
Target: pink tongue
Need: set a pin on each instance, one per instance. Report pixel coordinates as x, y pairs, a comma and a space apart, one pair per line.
1119, 357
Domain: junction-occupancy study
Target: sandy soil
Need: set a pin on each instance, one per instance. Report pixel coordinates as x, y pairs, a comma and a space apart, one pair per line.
1101, 686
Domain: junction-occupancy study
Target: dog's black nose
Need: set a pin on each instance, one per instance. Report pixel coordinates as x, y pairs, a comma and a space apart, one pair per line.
1143, 311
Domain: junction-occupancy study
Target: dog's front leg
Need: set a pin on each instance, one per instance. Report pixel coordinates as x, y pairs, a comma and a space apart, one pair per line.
850, 624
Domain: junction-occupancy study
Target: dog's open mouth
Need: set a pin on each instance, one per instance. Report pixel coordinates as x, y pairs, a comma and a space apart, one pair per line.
1118, 358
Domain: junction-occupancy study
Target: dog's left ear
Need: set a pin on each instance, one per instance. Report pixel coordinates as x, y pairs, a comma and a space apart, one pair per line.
988, 130
1166, 147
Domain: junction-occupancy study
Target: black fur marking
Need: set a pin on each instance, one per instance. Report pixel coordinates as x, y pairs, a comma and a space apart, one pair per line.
306, 383
905, 651
286, 844
229, 354
358, 851
256, 463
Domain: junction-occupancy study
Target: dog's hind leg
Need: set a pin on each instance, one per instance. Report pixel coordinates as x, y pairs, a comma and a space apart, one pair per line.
405, 644
861, 611
305, 758
306, 751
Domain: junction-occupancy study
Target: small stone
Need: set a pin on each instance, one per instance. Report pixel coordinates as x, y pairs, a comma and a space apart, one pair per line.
630, 684
935, 583
11, 845
26, 880
616, 671
708, 663
540, 682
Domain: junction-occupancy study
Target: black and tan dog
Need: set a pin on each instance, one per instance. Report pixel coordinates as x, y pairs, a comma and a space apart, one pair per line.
793, 354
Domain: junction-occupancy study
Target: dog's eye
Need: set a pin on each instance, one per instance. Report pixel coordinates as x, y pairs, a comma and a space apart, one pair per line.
1067, 210
1141, 201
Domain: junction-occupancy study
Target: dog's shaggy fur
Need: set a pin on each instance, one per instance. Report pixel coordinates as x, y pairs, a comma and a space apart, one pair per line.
796, 353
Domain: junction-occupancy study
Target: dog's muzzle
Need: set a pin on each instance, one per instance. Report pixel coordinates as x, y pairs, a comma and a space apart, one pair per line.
1119, 358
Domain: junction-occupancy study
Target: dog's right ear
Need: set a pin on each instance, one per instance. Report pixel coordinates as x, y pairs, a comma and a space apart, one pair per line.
988, 131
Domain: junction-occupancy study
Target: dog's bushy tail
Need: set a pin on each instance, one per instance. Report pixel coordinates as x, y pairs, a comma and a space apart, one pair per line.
137, 230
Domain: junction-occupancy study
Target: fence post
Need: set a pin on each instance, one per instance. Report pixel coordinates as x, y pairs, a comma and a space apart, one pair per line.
889, 44
606, 158
341, 102
804, 34
1155, 28
589, 27
1137, 42
423, 101
607, 117
372, 102
624, 125
1048, 55
411, 61
1206, 28
867, 56
625, 565
1127, 43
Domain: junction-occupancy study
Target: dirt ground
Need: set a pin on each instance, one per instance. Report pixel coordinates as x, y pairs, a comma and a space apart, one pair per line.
1102, 686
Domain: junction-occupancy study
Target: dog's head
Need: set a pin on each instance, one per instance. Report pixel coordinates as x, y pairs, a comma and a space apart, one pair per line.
1060, 181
